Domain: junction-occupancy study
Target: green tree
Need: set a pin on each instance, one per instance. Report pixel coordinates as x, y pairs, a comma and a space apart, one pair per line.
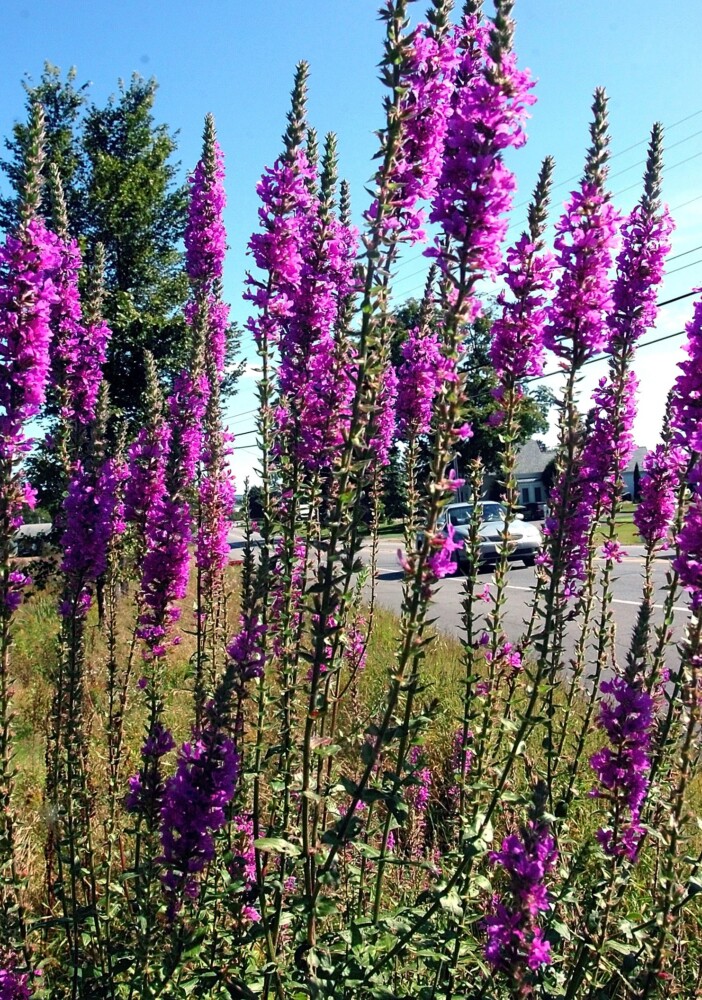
64, 105
394, 498
137, 210
121, 186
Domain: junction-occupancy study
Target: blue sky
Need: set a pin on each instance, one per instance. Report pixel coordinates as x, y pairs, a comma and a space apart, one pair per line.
236, 59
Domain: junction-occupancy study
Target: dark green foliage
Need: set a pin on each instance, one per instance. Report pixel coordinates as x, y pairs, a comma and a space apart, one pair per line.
121, 188
138, 213
394, 494
64, 105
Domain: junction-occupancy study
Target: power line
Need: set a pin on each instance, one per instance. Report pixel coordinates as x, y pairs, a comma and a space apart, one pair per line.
683, 268
605, 357
576, 177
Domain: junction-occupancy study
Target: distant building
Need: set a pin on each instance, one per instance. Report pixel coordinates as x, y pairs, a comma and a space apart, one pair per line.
532, 460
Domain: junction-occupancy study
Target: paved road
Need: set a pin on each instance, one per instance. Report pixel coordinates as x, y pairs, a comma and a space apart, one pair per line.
447, 603
447, 607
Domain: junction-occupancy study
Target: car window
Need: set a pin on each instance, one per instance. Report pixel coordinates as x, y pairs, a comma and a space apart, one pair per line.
460, 515
492, 512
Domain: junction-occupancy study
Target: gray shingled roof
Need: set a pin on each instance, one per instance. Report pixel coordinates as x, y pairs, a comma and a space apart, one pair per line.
532, 460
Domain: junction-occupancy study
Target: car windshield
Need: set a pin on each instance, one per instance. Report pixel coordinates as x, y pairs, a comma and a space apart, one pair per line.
462, 515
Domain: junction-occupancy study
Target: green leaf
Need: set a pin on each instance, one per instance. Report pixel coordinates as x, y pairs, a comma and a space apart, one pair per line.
277, 845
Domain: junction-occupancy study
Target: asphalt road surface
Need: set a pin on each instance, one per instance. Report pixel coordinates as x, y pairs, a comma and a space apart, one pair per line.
627, 584
626, 588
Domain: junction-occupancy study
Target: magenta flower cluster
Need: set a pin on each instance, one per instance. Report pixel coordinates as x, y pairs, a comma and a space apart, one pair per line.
516, 347
686, 398
586, 238
308, 257
146, 786
474, 188
14, 985
246, 649
278, 250
28, 293
205, 235
427, 78
93, 514
195, 801
662, 471
421, 375
514, 936
78, 349
622, 767
640, 263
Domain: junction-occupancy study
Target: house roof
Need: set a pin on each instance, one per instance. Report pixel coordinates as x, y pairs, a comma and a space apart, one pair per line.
532, 459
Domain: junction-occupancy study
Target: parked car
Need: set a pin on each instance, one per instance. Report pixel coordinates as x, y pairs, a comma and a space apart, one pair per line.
525, 539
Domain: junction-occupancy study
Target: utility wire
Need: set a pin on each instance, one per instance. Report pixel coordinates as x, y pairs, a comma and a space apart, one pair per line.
576, 177
605, 357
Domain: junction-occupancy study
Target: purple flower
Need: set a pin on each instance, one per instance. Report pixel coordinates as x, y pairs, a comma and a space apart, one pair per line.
517, 348
194, 807
16, 583
28, 266
146, 480
440, 562
686, 399
78, 349
93, 515
645, 245
585, 243
663, 468
205, 235
622, 767
186, 407
420, 377
278, 250
474, 189
689, 541
418, 795
146, 787
165, 570
427, 78
514, 936
14, 985
246, 649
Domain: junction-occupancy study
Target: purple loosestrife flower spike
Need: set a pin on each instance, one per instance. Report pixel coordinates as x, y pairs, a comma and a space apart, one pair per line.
662, 471
93, 517
622, 767
315, 372
80, 343
28, 265
515, 939
516, 348
427, 77
586, 237
147, 456
195, 802
686, 397
610, 443
474, 188
422, 373
205, 235
645, 245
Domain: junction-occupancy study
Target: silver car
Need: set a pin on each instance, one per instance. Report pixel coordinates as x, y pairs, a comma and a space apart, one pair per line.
525, 539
